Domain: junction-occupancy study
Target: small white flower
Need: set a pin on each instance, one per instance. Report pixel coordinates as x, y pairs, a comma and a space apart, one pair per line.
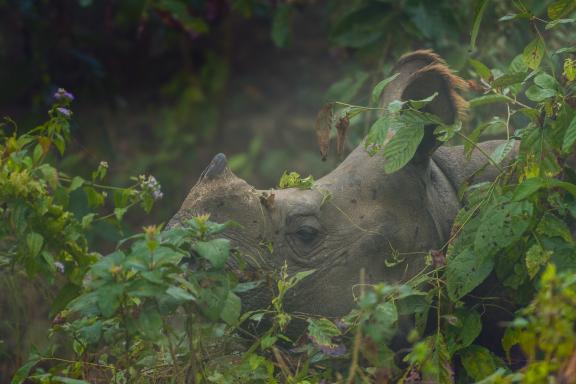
59, 266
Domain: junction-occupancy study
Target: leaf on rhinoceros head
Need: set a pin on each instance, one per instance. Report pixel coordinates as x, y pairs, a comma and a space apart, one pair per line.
324, 122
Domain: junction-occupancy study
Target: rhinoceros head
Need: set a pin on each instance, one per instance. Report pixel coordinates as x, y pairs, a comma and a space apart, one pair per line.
356, 217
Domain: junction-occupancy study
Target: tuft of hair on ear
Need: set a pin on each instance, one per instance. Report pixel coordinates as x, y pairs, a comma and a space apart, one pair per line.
434, 70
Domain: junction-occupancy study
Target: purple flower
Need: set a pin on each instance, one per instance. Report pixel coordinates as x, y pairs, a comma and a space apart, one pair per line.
62, 94
152, 185
64, 111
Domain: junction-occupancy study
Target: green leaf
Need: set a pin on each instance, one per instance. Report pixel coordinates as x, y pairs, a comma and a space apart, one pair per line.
419, 104
545, 81
95, 199
120, 212
67, 380
76, 183
24, 371
463, 333
402, 147
294, 180
501, 226
382, 324
465, 271
109, 297
560, 8
437, 368
66, 294
395, 106
488, 99
533, 53
267, 341
49, 259
511, 338
502, 151
34, 242
280, 31
378, 132
552, 226
150, 323
92, 333
509, 79
478, 14
527, 188
569, 137
569, 187
537, 94
481, 69
179, 294
496, 124
247, 286
479, 362
379, 88
322, 330
87, 220
299, 276
215, 251
446, 132
536, 257
231, 309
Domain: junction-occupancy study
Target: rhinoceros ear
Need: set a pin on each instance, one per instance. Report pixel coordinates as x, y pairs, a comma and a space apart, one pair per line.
421, 74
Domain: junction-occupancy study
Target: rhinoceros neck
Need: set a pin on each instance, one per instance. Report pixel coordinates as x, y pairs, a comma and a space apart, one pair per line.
459, 168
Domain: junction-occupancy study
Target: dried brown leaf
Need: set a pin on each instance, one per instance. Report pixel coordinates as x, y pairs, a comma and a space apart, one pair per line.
342, 129
324, 122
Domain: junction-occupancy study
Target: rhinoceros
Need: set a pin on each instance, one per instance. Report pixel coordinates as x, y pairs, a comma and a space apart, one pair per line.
356, 217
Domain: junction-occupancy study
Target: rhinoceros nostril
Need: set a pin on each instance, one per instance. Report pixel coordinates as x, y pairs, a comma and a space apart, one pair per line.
216, 167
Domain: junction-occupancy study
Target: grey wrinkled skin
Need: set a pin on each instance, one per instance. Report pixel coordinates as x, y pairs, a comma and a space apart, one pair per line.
354, 218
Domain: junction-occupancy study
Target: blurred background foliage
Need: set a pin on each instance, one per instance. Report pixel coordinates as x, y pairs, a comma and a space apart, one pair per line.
163, 85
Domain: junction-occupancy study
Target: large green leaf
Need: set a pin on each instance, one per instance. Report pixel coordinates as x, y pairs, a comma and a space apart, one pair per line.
378, 133
533, 53
465, 271
536, 257
479, 362
465, 331
322, 331
109, 297
478, 14
379, 88
502, 225
215, 251
403, 145
34, 241
560, 8
231, 309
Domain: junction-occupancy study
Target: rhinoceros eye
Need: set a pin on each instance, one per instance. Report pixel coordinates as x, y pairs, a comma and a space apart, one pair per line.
307, 234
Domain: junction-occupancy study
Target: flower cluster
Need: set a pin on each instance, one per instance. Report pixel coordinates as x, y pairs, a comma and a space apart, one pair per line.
64, 111
151, 184
63, 95
63, 99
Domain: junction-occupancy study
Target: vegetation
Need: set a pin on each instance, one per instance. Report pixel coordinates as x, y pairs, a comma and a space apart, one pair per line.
162, 307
